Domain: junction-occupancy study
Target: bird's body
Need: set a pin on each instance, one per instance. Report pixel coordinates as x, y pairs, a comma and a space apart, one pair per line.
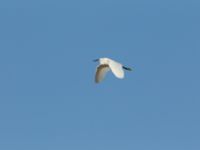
107, 64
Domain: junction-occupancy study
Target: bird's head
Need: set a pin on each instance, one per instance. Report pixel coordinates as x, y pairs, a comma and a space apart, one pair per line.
95, 60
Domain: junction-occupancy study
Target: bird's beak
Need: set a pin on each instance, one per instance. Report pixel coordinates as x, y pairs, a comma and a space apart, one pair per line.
95, 60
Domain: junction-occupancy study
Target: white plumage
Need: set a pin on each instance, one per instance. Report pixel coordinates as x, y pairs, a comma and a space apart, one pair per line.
107, 64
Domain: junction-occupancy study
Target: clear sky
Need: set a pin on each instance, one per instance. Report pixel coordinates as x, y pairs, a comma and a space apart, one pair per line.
48, 98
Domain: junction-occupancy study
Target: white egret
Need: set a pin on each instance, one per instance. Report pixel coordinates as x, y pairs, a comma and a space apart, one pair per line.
107, 64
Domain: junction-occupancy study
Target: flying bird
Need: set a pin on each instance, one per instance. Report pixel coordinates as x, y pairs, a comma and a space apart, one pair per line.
107, 64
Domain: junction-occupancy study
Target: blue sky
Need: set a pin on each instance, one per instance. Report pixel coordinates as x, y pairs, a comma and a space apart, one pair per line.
48, 98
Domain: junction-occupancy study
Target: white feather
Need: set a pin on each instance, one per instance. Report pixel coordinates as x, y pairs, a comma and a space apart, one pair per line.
101, 72
116, 69
107, 64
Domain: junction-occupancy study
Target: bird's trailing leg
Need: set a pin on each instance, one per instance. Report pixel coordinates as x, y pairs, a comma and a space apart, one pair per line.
126, 68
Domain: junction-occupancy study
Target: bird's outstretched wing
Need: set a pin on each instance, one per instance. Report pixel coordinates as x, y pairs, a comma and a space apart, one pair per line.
116, 69
101, 72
